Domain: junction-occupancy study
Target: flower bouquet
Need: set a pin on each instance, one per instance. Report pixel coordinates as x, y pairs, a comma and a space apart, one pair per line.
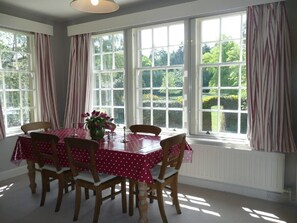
97, 122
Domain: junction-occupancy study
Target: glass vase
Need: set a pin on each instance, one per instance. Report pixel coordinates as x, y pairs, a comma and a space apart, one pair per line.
97, 133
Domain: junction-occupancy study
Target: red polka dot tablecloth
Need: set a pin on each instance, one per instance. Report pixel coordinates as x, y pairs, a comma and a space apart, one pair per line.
132, 159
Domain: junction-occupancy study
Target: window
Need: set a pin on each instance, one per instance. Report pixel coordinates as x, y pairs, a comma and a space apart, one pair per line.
17, 79
109, 75
159, 75
221, 81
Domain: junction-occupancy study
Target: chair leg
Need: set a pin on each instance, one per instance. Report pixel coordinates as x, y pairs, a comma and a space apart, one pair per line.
60, 193
87, 196
131, 197
112, 192
77, 201
124, 198
98, 203
45, 183
175, 197
161, 204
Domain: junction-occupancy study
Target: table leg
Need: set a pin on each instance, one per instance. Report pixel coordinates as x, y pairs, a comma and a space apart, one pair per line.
142, 205
31, 174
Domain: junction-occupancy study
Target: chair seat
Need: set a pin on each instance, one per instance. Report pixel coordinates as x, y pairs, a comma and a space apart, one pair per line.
87, 176
155, 171
53, 168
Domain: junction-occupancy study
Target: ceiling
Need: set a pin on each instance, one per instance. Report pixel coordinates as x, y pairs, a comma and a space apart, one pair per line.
50, 11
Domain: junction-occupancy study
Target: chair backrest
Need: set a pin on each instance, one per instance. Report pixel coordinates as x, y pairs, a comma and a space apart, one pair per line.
173, 152
111, 126
36, 126
42, 155
145, 129
86, 148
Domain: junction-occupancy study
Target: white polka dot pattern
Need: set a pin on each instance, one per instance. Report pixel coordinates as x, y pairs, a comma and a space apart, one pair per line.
132, 159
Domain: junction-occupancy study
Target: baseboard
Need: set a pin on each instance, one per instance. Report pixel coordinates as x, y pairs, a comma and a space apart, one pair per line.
236, 189
4, 175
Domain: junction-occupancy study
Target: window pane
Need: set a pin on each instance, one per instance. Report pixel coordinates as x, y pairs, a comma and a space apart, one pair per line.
160, 57
146, 38
107, 43
210, 53
229, 100
105, 81
118, 98
13, 99
175, 119
159, 118
105, 97
97, 62
230, 76
160, 36
146, 117
210, 30
27, 81
97, 45
24, 61
8, 60
175, 78
230, 51
175, 98
176, 34
118, 80
243, 126
231, 27
176, 55
159, 77
119, 60
119, 116
146, 58
28, 115
145, 78
159, 99
11, 81
118, 42
13, 118
229, 122
146, 98
27, 99
209, 76
107, 61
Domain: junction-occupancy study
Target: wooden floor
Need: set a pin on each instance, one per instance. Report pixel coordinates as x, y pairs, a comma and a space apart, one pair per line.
18, 205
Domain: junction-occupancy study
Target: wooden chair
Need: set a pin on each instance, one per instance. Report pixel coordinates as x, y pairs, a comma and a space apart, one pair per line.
52, 171
166, 175
86, 176
145, 129
133, 189
33, 126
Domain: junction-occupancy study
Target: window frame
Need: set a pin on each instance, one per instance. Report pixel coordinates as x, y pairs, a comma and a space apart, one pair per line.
137, 68
10, 131
195, 80
110, 72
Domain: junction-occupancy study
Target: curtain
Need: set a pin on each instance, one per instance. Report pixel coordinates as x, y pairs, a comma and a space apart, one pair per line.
46, 81
2, 127
78, 98
268, 78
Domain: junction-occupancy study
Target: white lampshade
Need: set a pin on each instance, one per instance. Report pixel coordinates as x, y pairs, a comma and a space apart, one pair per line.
95, 6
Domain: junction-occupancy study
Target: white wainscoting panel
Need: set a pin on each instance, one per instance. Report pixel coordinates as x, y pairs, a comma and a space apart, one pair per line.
254, 169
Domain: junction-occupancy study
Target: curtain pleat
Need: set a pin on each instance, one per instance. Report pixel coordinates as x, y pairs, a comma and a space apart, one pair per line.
268, 78
78, 99
46, 81
2, 126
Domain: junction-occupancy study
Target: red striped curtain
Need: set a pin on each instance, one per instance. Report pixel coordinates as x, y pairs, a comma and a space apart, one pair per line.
268, 78
78, 99
2, 127
46, 80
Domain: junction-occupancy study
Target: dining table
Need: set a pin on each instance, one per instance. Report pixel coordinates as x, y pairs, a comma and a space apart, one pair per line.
122, 154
